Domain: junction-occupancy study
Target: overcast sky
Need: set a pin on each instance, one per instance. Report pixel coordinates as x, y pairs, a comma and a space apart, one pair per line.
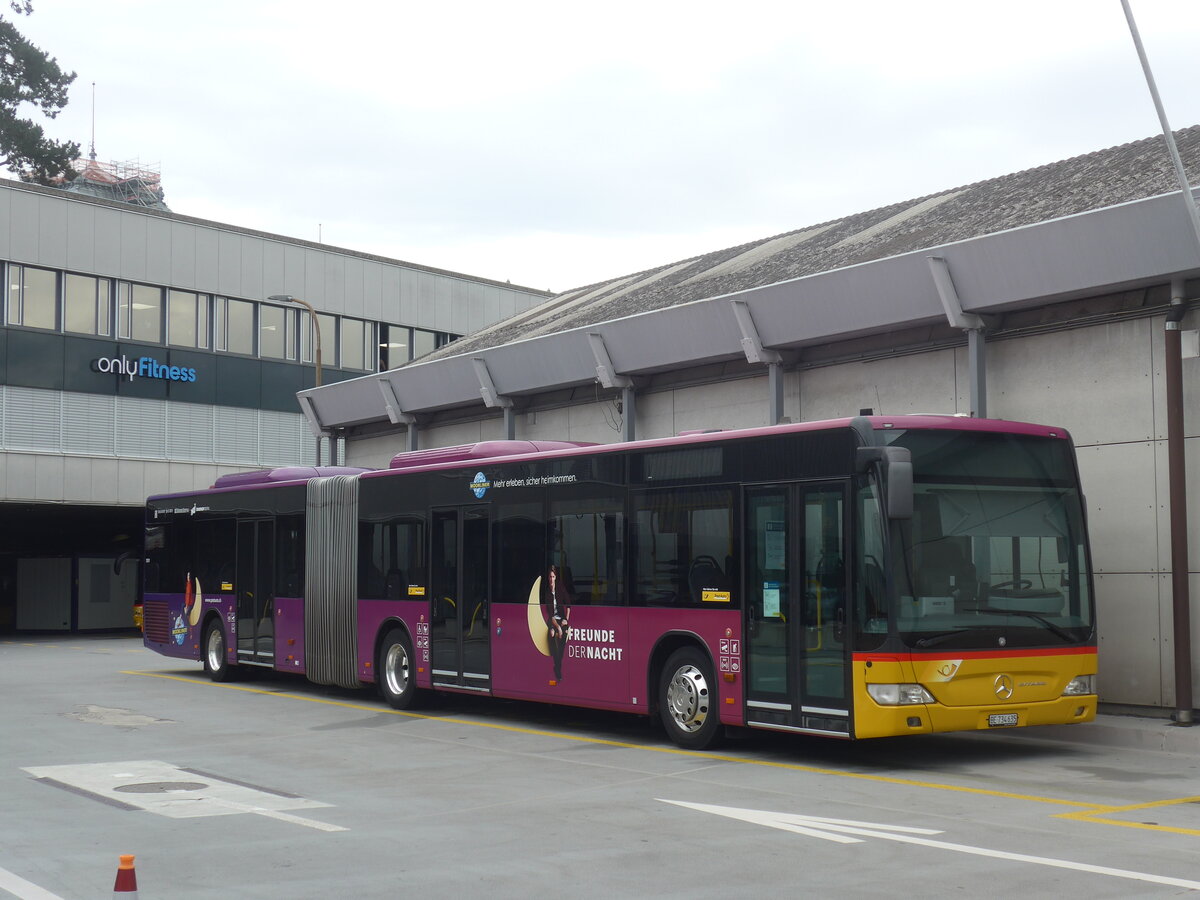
557, 144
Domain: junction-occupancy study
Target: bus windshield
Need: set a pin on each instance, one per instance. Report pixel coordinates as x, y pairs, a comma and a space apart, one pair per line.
995, 554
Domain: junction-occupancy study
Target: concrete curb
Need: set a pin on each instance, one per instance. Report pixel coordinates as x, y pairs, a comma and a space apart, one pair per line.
1134, 732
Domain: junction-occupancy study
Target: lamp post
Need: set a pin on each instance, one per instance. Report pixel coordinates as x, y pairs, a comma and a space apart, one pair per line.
288, 298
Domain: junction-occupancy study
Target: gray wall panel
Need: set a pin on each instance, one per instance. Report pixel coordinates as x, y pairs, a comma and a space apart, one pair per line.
108, 242
415, 307
229, 264
1119, 483
6, 226
1130, 626
133, 247
371, 287
314, 280
156, 478
207, 256
26, 213
352, 285
922, 383
1095, 382
443, 313
1191, 453
48, 476
159, 250
391, 305
273, 269
105, 473
52, 233
77, 479
183, 256
252, 286
294, 278
333, 292
21, 477
81, 231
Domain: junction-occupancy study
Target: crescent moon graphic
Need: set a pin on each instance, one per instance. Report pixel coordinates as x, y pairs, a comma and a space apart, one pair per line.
198, 601
538, 632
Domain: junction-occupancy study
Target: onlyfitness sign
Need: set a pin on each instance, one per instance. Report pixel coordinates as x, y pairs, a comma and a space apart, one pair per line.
143, 367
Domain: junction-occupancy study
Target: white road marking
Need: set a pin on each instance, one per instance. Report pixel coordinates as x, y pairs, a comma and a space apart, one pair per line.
841, 831
177, 793
24, 890
281, 816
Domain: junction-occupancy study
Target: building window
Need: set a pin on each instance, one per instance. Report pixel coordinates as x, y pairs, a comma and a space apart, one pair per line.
293, 332
354, 344
139, 312
187, 319
423, 342
235, 326
87, 305
394, 343
272, 332
329, 338
32, 297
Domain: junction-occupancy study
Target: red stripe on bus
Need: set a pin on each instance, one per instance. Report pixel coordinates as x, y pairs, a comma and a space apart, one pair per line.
974, 654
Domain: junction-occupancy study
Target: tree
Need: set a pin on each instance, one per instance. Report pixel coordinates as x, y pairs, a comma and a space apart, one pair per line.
29, 76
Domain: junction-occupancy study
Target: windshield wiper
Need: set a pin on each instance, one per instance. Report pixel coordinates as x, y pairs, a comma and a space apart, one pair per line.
1037, 617
941, 637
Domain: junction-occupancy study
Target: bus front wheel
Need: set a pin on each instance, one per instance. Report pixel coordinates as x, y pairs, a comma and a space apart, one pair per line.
395, 671
216, 666
687, 700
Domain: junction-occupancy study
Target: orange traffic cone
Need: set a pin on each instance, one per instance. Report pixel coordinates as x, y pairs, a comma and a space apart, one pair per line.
125, 887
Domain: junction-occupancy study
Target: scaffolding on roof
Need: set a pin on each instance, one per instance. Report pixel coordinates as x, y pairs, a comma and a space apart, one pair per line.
128, 181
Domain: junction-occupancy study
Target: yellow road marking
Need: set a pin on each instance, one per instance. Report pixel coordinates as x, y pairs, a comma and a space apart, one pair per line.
1087, 812
1098, 816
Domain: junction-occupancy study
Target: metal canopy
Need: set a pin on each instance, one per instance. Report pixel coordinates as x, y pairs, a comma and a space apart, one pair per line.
1132, 245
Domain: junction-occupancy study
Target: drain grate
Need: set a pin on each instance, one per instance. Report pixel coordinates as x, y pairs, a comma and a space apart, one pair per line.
161, 787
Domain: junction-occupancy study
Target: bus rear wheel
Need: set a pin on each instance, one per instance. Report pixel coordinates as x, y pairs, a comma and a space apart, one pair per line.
216, 665
395, 672
687, 700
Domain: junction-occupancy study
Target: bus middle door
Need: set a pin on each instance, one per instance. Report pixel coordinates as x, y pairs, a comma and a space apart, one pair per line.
795, 545
459, 583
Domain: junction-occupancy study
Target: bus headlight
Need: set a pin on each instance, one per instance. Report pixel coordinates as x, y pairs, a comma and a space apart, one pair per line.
1080, 684
899, 694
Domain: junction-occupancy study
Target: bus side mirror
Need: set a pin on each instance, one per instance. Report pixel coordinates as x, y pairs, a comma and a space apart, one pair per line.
120, 561
895, 471
898, 475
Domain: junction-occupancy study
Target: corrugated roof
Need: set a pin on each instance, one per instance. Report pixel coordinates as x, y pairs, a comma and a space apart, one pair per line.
1092, 181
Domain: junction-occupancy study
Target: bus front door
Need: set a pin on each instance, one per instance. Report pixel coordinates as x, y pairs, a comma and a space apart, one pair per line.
459, 584
795, 547
256, 591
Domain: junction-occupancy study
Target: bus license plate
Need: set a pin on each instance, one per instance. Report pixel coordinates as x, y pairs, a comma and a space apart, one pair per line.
998, 720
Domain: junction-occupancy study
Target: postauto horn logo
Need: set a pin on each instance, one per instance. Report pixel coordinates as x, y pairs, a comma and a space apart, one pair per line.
144, 367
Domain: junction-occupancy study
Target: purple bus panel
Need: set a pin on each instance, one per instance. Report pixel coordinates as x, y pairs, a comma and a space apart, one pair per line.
172, 628
289, 634
603, 646
589, 668
374, 617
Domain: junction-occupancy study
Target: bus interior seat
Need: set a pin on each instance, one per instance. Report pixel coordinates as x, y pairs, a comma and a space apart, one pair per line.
705, 574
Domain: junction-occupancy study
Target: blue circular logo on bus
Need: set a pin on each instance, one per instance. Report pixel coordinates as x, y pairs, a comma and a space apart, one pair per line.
480, 485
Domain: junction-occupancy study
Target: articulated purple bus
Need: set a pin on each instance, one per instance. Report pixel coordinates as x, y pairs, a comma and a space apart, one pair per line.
853, 578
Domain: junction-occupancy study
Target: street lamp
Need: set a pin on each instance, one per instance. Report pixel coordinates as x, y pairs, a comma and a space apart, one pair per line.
288, 298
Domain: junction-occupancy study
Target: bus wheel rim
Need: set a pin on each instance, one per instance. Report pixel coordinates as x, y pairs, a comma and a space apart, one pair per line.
687, 698
395, 669
215, 654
